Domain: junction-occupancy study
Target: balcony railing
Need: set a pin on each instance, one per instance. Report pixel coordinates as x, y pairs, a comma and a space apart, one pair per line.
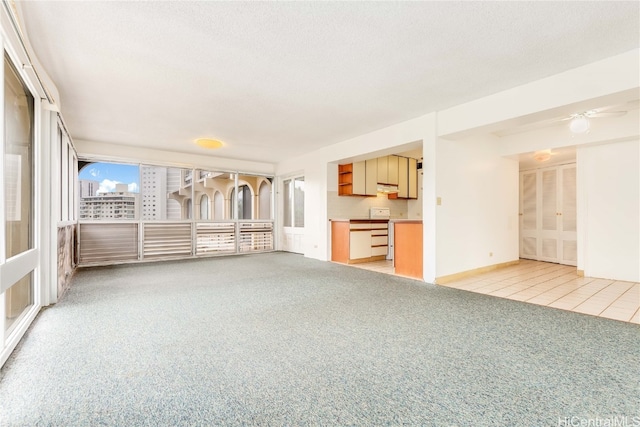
113, 242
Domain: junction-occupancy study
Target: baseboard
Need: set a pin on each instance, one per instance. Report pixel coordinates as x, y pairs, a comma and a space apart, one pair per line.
457, 276
580, 273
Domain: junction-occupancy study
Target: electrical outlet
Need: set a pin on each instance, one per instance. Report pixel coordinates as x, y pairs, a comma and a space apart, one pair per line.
439, 201
490, 253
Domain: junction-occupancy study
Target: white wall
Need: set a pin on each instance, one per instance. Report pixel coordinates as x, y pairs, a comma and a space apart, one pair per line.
609, 176
477, 222
341, 207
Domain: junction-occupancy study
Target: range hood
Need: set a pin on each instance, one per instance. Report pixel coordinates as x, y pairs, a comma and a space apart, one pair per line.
387, 188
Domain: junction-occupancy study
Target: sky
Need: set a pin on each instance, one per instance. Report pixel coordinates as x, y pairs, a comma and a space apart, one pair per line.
110, 174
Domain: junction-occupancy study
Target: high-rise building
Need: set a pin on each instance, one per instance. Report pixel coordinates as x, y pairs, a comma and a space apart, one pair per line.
153, 190
119, 204
155, 185
88, 188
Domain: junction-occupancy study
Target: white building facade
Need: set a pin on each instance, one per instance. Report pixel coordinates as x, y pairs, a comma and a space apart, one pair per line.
119, 204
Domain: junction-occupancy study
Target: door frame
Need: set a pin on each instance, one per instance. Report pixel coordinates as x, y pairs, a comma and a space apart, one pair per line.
36, 260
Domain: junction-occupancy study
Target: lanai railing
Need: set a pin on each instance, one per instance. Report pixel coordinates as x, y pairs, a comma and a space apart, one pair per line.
114, 242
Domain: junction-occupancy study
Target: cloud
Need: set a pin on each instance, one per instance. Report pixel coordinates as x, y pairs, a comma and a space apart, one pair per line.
94, 172
107, 186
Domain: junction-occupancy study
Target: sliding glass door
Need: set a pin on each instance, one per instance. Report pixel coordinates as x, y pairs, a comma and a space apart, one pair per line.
18, 256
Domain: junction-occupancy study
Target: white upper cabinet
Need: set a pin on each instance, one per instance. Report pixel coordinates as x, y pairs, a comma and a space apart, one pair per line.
392, 170
383, 170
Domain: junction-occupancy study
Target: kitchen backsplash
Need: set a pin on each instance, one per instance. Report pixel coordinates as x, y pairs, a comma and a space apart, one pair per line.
347, 207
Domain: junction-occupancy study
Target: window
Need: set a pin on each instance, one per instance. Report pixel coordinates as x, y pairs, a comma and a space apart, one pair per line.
218, 206
18, 164
205, 207
264, 200
171, 213
109, 191
243, 201
294, 202
164, 193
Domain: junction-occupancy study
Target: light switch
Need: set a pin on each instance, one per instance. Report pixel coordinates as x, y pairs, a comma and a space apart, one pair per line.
438, 201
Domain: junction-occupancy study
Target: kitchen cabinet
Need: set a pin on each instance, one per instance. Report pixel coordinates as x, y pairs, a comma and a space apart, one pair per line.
371, 175
345, 179
403, 178
356, 241
388, 170
362, 178
392, 170
413, 179
407, 178
359, 244
407, 247
358, 178
383, 170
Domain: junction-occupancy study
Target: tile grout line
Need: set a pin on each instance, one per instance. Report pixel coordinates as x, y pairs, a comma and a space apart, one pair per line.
564, 295
612, 302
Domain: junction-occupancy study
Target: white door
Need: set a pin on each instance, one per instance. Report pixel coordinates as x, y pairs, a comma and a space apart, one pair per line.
568, 238
529, 214
548, 214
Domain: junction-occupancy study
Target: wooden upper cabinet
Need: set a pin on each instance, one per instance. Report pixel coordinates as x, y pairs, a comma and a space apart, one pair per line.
345, 179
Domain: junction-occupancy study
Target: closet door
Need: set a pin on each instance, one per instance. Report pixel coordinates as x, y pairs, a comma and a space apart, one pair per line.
548, 214
568, 248
529, 215
548, 217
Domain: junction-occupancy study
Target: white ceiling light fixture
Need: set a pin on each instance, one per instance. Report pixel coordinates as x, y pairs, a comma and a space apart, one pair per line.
542, 156
579, 123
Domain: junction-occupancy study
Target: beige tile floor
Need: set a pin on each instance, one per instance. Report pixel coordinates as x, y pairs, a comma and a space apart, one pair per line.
552, 285
385, 267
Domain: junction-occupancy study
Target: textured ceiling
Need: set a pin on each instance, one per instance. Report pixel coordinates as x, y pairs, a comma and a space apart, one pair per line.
276, 79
